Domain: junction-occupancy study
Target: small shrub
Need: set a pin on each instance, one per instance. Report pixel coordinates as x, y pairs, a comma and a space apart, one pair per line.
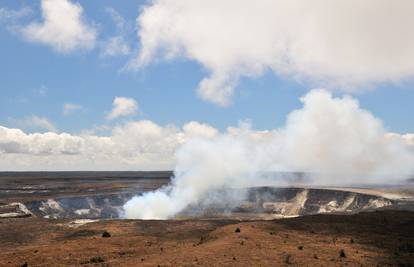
351, 241
237, 230
96, 259
25, 264
315, 256
342, 253
106, 234
300, 247
288, 259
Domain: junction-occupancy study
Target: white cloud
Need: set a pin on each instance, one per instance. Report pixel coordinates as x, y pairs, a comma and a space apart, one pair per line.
345, 43
331, 137
119, 21
196, 129
138, 145
35, 123
15, 141
9, 15
117, 45
69, 108
63, 27
123, 106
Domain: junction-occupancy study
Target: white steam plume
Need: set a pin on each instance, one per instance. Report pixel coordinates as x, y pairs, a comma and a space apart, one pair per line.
333, 139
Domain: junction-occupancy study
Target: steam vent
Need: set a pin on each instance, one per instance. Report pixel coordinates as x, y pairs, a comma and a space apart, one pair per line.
101, 196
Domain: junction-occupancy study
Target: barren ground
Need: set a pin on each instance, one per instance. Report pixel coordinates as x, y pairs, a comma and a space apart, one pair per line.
382, 238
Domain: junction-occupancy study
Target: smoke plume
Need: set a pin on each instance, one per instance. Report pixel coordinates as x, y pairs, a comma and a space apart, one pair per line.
331, 139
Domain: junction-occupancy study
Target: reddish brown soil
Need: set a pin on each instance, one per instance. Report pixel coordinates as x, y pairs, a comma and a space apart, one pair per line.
369, 239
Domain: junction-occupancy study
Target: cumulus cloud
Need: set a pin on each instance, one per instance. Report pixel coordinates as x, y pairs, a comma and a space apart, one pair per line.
63, 27
137, 145
196, 129
345, 43
123, 106
332, 140
35, 123
15, 141
69, 108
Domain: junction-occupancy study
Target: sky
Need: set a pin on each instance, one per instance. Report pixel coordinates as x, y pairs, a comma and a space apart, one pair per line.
94, 71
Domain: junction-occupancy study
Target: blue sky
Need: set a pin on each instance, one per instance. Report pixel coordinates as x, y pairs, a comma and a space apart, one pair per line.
35, 80
129, 85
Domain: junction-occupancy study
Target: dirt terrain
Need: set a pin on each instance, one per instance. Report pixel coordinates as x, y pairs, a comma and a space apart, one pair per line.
381, 238
43, 216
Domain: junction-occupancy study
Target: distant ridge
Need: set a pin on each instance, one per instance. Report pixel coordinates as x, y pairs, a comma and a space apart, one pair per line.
86, 174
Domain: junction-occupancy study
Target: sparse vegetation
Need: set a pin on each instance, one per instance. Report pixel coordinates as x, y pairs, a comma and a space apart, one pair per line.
342, 253
96, 259
288, 259
25, 264
237, 230
106, 234
172, 241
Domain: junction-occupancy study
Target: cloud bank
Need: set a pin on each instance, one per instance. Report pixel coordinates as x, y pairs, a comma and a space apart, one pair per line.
63, 27
345, 43
136, 145
331, 139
